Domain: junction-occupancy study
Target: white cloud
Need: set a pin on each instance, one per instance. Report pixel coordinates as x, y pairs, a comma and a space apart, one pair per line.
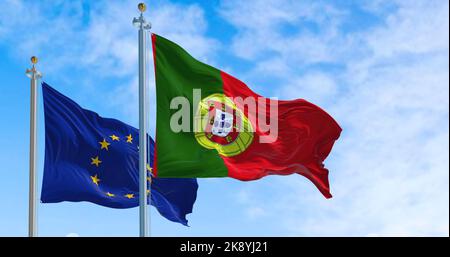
72, 235
255, 212
261, 24
24, 25
112, 40
245, 200
389, 170
100, 43
315, 86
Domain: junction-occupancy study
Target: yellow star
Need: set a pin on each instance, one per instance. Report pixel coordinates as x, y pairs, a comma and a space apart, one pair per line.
129, 139
104, 144
129, 196
149, 179
109, 194
148, 191
95, 179
114, 138
149, 168
95, 161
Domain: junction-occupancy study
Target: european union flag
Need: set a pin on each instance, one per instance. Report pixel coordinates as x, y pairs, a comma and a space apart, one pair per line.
95, 159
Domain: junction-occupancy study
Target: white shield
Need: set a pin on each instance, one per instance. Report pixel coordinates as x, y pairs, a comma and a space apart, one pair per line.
223, 123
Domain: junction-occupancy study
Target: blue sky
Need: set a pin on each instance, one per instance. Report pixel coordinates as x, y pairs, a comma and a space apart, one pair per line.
379, 67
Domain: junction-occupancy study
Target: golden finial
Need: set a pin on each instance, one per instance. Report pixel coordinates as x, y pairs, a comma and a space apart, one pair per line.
34, 59
142, 7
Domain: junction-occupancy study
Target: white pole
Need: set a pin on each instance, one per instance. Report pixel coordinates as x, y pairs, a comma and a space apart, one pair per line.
143, 27
34, 75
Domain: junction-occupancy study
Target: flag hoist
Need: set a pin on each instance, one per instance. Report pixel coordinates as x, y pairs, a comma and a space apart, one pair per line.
143, 27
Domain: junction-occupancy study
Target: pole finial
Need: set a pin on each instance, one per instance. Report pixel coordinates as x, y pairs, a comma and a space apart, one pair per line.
142, 7
34, 59
140, 21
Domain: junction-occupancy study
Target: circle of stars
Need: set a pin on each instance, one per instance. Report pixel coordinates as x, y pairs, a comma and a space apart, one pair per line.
104, 145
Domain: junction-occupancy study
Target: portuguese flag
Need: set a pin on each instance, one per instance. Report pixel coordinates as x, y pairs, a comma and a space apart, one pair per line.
224, 136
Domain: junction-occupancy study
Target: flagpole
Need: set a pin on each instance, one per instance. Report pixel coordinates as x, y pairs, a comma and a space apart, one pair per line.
143, 26
34, 76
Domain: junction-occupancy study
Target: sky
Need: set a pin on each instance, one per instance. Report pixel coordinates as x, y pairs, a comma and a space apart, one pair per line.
379, 67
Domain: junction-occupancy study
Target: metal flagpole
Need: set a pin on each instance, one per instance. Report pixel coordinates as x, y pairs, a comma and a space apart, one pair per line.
143, 26
34, 75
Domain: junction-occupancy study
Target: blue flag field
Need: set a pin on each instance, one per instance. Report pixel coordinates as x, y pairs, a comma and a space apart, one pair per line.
95, 159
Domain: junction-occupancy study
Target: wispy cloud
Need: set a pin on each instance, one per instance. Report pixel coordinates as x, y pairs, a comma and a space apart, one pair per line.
263, 24
387, 85
85, 44
383, 76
